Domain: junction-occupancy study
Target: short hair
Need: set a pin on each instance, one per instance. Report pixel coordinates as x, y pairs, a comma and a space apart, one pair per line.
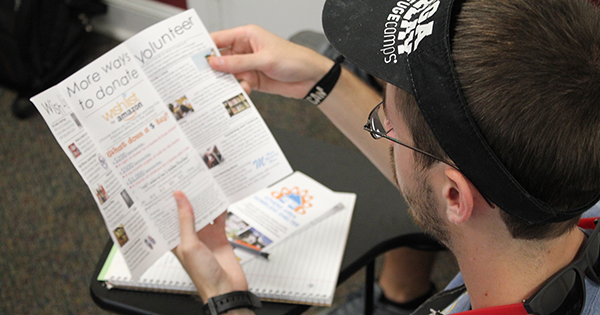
530, 74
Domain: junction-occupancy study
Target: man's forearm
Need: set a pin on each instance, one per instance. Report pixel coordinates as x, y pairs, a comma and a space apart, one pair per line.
348, 106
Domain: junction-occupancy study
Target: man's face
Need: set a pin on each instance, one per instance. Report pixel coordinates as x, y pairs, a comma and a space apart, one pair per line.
412, 181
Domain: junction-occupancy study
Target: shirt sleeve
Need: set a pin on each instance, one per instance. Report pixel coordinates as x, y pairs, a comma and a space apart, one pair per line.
592, 212
457, 281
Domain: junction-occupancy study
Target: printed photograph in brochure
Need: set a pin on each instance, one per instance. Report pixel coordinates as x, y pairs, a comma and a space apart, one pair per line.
181, 108
201, 59
101, 194
234, 225
236, 105
76, 120
74, 150
243, 234
212, 157
127, 198
121, 235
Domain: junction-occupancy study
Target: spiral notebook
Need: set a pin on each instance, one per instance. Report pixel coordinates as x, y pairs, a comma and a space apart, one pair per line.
302, 269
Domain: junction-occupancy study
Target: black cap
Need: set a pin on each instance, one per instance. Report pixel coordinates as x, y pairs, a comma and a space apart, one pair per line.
408, 44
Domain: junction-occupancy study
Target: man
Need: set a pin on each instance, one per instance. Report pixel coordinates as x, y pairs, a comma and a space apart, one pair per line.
491, 112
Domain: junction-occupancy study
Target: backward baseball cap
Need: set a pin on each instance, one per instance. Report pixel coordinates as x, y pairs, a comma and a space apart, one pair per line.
408, 44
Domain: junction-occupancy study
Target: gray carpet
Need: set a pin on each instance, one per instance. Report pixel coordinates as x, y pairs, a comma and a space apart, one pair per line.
52, 232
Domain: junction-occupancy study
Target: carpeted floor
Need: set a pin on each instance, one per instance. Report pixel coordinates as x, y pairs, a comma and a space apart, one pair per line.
52, 232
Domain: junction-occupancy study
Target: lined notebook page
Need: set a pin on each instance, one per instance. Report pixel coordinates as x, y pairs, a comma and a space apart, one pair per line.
302, 269
305, 267
166, 274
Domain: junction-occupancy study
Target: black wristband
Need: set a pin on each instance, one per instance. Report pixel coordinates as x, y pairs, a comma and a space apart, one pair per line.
320, 91
231, 301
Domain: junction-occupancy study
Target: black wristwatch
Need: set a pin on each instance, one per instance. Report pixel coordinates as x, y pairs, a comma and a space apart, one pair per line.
231, 301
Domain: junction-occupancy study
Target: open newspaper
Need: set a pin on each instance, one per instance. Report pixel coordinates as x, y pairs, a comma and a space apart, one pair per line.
150, 117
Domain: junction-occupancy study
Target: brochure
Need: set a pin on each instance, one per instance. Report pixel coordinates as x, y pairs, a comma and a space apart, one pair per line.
262, 220
150, 117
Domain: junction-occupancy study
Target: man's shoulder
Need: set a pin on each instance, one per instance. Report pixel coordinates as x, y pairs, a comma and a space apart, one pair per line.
592, 289
592, 212
592, 302
592, 299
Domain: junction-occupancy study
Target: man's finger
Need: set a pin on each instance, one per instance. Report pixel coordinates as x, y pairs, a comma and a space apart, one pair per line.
224, 38
187, 227
237, 63
239, 36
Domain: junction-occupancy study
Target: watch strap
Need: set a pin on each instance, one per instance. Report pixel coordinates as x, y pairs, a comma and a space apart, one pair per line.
230, 301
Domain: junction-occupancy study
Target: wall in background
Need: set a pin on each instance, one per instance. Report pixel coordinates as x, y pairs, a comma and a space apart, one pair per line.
127, 17
282, 17
178, 3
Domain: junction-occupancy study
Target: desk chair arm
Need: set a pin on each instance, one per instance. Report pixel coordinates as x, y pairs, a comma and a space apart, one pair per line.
419, 241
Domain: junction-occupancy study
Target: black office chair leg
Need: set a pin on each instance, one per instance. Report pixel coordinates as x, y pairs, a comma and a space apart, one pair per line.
370, 280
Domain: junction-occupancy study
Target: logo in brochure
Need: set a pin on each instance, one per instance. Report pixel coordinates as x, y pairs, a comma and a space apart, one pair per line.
296, 199
124, 109
102, 161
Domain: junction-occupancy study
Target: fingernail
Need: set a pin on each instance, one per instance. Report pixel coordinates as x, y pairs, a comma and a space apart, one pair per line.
217, 61
178, 197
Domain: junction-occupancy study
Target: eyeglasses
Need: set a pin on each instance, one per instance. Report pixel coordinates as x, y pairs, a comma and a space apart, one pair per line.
564, 293
375, 125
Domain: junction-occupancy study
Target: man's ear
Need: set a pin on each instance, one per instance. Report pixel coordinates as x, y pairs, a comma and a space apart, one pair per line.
458, 194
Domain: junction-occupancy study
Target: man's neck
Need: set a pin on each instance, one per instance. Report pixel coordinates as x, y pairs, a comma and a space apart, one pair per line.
495, 275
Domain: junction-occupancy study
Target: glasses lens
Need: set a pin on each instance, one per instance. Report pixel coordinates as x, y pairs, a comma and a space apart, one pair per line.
377, 120
564, 294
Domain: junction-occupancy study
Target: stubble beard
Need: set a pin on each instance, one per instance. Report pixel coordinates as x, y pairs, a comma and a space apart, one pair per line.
421, 204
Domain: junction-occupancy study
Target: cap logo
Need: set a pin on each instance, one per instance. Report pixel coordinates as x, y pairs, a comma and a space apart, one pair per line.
406, 26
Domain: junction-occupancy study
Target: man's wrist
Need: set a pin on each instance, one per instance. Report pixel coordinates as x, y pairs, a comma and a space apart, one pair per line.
234, 300
325, 85
240, 311
222, 286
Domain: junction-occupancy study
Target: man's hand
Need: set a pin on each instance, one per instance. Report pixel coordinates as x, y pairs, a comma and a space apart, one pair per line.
207, 255
265, 62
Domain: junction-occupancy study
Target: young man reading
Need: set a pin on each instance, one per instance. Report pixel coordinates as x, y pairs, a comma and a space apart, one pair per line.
491, 111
